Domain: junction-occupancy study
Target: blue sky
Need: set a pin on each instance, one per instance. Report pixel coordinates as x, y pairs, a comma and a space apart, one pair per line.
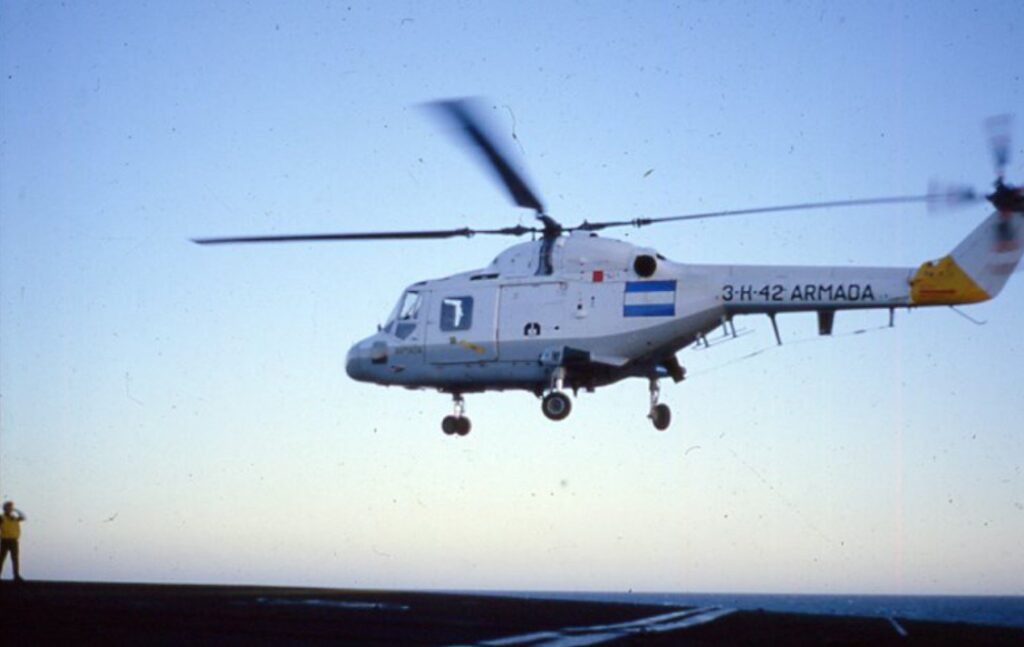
176, 413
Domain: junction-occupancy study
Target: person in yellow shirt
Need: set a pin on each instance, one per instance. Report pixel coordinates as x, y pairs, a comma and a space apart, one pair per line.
10, 532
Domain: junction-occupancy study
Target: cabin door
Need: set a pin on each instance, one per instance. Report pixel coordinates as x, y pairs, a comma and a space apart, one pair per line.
462, 325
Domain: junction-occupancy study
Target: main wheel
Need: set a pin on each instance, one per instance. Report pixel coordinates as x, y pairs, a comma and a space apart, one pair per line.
661, 416
556, 405
463, 426
450, 425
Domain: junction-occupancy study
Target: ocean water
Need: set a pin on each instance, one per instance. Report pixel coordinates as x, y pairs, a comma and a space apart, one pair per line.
987, 610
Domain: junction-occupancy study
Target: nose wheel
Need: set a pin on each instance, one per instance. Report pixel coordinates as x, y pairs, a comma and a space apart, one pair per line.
456, 424
660, 414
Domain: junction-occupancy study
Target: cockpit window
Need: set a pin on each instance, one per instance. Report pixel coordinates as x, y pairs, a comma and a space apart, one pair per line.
403, 319
404, 328
456, 313
410, 306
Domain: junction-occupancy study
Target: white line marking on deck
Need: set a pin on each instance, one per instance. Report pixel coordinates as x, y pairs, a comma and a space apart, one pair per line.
596, 634
710, 615
520, 640
898, 627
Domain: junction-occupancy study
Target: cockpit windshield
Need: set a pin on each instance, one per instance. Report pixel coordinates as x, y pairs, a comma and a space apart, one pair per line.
409, 306
402, 321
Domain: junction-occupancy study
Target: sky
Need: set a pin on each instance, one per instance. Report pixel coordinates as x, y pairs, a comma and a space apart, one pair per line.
173, 413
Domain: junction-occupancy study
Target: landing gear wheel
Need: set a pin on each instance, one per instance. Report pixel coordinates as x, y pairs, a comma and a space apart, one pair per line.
455, 425
661, 416
450, 425
556, 405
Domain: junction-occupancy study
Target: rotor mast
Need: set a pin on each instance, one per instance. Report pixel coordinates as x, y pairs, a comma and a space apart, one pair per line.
478, 136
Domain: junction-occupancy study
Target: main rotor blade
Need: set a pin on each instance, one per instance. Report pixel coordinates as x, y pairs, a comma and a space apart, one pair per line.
466, 114
802, 206
465, 232
947, 196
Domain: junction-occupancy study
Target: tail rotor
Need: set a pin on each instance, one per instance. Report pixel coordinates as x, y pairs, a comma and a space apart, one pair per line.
1006, 198
999, 129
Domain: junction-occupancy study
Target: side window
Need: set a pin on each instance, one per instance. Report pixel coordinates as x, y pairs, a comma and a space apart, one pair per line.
456, 313
404, 328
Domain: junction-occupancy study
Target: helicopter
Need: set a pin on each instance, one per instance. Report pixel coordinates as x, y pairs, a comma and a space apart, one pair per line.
570, 309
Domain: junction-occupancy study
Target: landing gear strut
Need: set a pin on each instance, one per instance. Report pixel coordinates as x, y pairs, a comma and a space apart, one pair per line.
660, 414
456, 424
556, 405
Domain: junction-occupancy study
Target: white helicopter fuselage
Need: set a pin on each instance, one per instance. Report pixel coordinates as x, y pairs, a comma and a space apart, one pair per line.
505, 326
610, 310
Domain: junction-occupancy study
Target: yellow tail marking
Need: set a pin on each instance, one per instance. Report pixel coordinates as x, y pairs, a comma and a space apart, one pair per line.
943, 282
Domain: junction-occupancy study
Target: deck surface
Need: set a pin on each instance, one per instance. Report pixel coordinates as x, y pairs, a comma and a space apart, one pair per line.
38, 613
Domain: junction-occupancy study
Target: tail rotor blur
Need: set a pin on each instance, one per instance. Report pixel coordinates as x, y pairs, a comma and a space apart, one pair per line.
1007, 199
999, 129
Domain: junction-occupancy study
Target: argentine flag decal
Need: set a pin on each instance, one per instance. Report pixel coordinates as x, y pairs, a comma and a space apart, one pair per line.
649, 299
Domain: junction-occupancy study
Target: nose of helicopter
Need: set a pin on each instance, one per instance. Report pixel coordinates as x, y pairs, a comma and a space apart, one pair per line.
367, 358
357, 361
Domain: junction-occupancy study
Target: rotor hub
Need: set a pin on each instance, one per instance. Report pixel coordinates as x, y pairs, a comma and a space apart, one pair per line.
1006, 198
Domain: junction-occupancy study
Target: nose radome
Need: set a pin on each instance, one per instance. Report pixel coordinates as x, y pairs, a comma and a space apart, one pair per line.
361, 358
354, 363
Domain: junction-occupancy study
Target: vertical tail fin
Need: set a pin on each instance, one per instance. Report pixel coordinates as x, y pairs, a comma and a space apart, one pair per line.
978, 267
992, 251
